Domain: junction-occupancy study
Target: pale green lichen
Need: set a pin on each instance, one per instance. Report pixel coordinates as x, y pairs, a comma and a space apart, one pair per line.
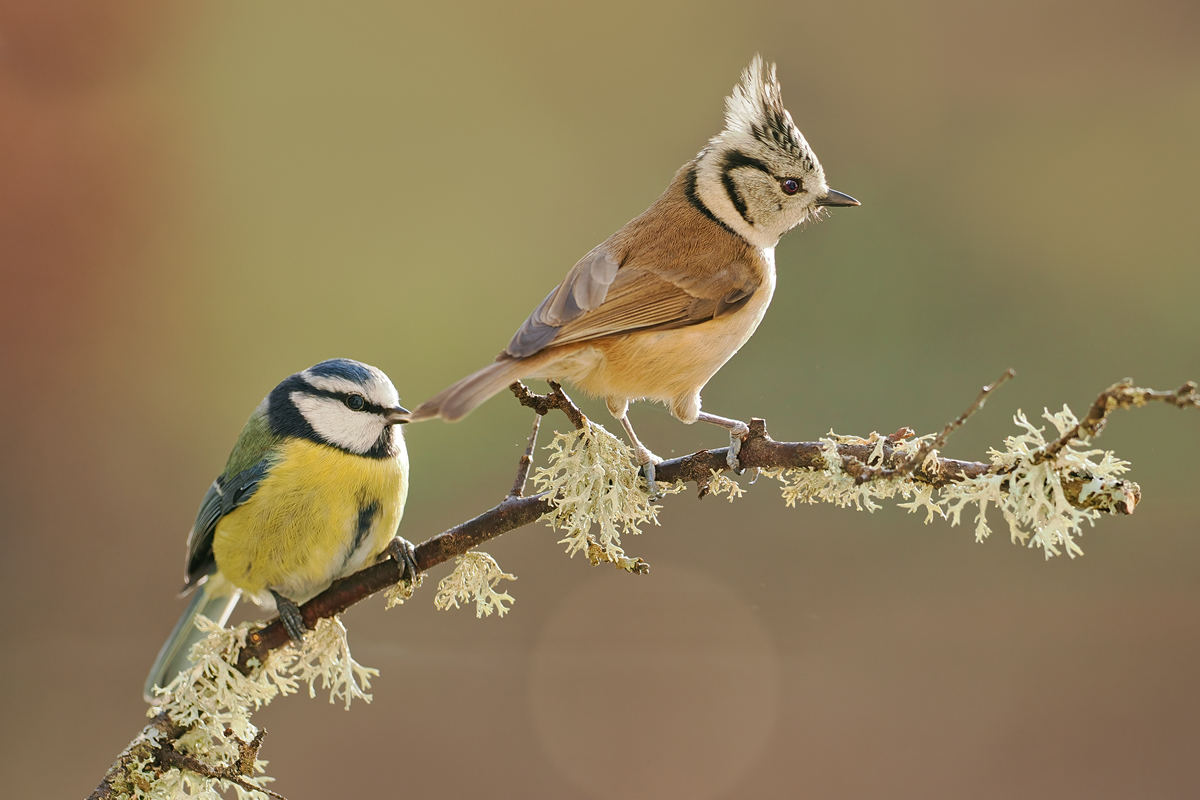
214, 701
591, 478
400, 591
475, 576
1029, 493
720, 483
834, 485
326, 657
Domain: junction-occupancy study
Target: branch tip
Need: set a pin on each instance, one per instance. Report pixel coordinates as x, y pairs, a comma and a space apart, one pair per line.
544, 403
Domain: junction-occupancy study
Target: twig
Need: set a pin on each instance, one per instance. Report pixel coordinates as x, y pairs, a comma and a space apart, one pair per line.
119, 781
234, 773
545, 403
863, 473
1120, 395
940, 439
511, 514
518, 489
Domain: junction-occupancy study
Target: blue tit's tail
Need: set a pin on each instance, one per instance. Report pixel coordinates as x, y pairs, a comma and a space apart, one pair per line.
215, 599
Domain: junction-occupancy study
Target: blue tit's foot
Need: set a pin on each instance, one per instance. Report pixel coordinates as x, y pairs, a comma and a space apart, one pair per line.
289, 615
404, 554
737, 433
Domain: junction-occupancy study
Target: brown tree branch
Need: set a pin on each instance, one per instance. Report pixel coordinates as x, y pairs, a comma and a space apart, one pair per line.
758, 450
234, 773
153, 745
1120, 395
863, 473
543, 404
120, 780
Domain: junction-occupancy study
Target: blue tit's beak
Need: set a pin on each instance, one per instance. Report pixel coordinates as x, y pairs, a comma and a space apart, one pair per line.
833, 198
397, 415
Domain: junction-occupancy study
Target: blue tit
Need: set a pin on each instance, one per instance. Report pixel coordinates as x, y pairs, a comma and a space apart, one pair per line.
313, 491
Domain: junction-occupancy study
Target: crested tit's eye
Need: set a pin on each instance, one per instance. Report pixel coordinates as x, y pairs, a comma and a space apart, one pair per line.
355, 402
789, 185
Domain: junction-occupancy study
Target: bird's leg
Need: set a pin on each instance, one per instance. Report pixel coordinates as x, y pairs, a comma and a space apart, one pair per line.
646, 459
737, 431
289, 615
405, 555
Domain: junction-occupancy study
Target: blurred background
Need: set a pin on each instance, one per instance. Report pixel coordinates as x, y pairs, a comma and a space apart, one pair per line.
196, 201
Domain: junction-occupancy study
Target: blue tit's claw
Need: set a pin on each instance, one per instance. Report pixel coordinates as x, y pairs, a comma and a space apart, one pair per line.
403, 552
289, 615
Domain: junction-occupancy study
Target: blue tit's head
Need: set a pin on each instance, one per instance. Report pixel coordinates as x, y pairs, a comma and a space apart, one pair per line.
342, 403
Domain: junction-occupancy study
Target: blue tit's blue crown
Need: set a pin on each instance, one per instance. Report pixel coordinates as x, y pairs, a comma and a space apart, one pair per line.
345, 368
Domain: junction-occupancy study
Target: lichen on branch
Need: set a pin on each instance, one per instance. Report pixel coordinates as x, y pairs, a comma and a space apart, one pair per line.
1029, 492
475, 577
591, 479
203, 740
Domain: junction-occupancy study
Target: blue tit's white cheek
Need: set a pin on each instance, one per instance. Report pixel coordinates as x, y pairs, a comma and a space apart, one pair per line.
355, 431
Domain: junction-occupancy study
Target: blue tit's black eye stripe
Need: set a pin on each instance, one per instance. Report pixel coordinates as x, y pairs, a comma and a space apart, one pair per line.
343, 397
285, 419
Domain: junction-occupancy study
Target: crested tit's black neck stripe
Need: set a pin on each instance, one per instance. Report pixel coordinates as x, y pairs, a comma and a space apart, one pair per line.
689, 191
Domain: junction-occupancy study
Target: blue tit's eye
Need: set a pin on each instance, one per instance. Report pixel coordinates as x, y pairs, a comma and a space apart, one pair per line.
355, 402
789, 185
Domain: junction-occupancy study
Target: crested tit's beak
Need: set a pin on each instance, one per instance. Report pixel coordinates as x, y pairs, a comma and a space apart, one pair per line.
397, 415
833, 198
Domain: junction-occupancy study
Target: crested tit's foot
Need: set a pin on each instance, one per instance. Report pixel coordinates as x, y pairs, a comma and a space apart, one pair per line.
737, 432
648, 461
645, 459
735, 447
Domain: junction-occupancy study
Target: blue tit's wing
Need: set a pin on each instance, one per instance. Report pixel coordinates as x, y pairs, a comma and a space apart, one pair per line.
225, 494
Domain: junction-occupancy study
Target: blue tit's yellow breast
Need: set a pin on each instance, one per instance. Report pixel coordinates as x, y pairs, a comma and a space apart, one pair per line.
319, 514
